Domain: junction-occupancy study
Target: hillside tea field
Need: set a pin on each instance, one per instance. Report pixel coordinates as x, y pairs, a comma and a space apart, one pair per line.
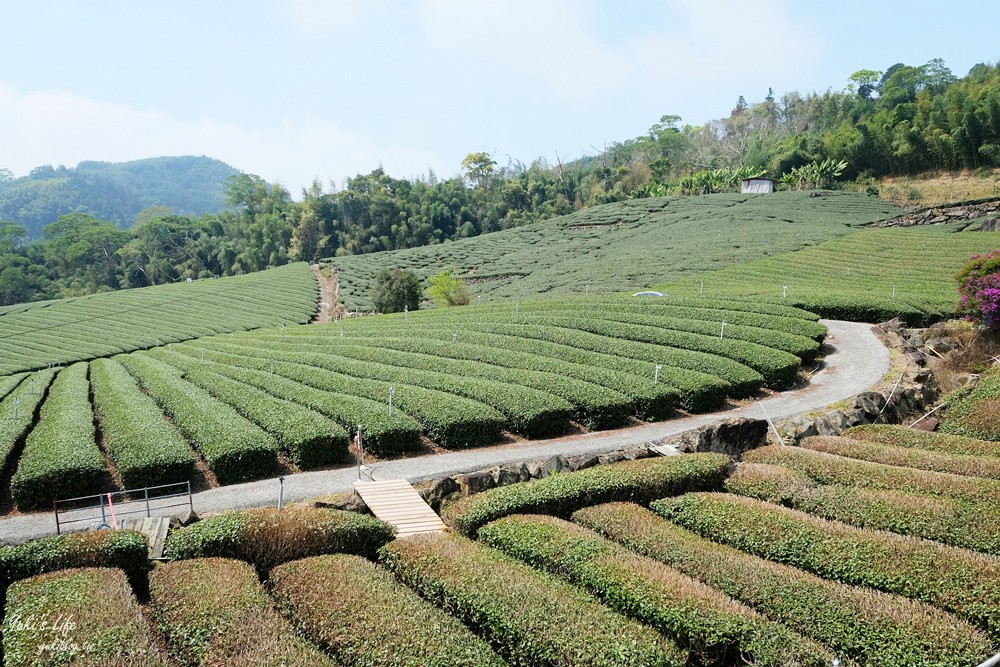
796, 556
466, 377
37, 335
624, 247
871, 275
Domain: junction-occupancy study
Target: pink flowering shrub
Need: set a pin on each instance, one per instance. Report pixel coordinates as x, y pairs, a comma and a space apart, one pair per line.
979, 289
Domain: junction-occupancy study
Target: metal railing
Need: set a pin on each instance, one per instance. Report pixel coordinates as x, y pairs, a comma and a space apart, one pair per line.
148, 501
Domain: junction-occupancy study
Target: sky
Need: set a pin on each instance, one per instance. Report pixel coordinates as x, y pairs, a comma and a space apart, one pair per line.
303, 89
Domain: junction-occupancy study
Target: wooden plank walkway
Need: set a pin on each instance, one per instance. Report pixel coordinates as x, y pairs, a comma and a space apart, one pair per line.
154, 528
398, 503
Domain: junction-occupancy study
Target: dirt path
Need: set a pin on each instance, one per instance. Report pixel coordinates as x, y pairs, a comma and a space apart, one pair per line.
330, 308
859, 360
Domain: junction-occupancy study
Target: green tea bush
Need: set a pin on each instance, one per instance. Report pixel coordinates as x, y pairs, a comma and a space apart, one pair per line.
956, 464
956, 580
268, 537
830, 469
959, 523
361, 615
561, 494
61, 458
146, 448
870, 627
900, 436
709, 624
451, 421
530, 618
384, 435
235, 449
15, 422
93, 619
310, 439
214, 611
124, 549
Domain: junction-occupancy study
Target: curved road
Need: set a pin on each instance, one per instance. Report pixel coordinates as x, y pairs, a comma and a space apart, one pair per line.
858, 361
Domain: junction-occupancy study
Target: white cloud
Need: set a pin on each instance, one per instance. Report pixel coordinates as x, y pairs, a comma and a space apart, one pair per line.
54, 127
323, 15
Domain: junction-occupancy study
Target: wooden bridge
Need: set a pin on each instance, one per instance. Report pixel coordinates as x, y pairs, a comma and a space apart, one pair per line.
395, 501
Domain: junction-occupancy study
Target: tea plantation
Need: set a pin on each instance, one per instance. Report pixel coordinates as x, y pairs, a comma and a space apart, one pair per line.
240, 403
624, 247
871, 275
52, 333
836, 551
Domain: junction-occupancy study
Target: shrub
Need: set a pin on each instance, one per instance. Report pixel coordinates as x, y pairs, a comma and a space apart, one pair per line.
830, 469
530, 618
561, 494
964, 524
956, 464
61, 458
708, 623
267, 537
445, 289
13, 427
214, 611
147, 450
81, 617
979, 289
900, 436
310, 439
124, 549
361, 615
383, 435
867, 626
235, 449
963, 582
976, 413
396, 289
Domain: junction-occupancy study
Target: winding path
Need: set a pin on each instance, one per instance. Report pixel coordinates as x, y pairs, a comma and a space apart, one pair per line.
858, 361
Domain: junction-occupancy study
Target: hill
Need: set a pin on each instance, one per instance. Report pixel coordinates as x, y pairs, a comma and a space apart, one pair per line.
624, 246
114, 191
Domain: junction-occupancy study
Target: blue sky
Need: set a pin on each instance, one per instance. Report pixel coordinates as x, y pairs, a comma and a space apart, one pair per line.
302, 89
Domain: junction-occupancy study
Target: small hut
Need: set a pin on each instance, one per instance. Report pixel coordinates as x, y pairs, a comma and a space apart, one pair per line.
758, 185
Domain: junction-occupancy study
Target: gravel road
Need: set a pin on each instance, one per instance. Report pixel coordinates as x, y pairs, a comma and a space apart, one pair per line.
858, 361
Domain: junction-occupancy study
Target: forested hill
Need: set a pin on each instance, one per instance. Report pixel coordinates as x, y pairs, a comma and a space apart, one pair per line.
116, 192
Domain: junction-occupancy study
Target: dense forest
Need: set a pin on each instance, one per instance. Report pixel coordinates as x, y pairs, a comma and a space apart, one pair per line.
116, 192
904, 120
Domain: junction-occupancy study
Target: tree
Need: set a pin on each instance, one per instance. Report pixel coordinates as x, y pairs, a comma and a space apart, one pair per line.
864, 82
478, 168
445, 289
979, 290
396, 289
11, 236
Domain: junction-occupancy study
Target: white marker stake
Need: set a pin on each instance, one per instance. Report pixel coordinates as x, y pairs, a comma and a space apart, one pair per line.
656, 375
454, 336
723, 332
588, 290
392, 392
893, 292
203, 354
17, 405
701, 290
406, 313
784, 292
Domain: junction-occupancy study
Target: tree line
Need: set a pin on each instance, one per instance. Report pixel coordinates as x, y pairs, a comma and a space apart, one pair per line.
906, 119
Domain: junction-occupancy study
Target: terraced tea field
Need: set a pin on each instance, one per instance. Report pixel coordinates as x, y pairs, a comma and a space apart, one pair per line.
243, 402
867, 276
624, 247
52, 333
855, 550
